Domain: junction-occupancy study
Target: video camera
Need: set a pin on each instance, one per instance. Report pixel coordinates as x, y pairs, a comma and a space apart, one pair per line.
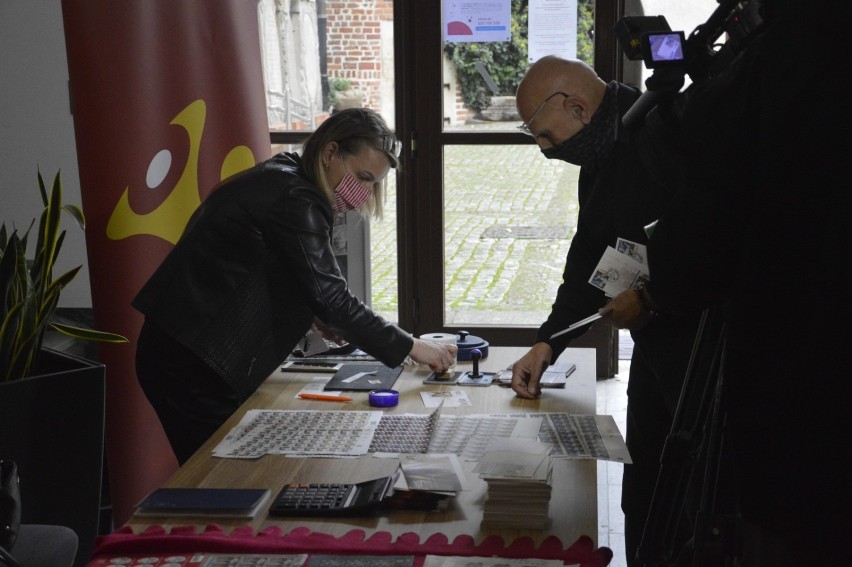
672, 56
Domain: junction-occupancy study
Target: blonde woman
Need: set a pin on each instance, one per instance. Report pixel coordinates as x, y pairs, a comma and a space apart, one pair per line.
254, 270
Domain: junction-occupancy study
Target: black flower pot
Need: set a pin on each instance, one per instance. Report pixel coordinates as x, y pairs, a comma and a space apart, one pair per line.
52, 425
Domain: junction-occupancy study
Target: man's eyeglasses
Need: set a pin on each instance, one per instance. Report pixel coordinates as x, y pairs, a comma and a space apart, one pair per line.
525, 127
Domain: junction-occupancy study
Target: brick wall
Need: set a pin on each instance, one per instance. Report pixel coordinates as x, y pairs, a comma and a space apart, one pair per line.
354, 49
354, 44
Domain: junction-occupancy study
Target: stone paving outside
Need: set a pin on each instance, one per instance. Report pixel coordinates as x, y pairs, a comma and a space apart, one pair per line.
509, 217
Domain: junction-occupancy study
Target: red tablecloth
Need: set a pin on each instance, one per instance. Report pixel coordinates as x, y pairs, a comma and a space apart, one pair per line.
213, 539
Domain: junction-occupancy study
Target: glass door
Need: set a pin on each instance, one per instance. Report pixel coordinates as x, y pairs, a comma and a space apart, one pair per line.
477, 223
489, 219
509, 214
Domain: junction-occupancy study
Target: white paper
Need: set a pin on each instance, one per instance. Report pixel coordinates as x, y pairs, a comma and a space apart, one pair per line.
312, 343
435, 472
450, 399
477, 20
468, 435
357, 375
552, 29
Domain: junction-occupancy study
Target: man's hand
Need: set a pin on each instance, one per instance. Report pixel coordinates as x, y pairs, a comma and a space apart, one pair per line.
527, 371
626, 311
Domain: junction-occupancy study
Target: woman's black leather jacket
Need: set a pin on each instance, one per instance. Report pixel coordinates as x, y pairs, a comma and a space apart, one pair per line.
252, 270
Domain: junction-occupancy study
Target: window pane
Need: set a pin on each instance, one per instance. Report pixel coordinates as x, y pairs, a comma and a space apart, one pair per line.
481, 77
322, 55
509, 216
384, 264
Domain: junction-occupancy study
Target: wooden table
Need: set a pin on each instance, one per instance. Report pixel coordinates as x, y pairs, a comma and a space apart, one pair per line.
573, 507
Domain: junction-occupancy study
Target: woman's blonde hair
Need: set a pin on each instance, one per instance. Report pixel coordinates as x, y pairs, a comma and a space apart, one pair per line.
352, 129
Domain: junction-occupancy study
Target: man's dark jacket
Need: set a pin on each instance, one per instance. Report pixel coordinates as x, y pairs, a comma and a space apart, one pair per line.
618, 197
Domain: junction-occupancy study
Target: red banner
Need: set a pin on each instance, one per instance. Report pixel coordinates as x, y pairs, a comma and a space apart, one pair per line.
168, 99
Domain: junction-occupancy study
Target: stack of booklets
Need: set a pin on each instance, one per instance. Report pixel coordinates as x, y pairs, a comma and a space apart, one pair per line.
519, 475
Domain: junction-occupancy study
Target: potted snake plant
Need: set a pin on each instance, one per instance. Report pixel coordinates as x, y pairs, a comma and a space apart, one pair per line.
51, 402
29, 291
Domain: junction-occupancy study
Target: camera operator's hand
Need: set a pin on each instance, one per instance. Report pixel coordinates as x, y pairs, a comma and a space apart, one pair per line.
527, 371
629, 311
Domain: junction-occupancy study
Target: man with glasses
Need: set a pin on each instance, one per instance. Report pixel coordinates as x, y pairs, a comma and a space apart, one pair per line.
574, 116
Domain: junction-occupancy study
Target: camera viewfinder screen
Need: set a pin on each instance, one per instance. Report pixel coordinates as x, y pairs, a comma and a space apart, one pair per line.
666, 47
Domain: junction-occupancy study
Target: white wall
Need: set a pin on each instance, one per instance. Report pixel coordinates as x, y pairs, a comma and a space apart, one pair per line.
36, 127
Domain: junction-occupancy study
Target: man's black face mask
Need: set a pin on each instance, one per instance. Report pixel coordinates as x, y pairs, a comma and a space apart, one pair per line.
594, 142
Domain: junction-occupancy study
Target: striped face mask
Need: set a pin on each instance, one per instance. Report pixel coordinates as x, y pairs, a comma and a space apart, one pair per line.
350, 194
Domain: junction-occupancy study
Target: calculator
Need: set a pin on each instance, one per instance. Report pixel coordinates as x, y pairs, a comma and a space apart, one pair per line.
331, 499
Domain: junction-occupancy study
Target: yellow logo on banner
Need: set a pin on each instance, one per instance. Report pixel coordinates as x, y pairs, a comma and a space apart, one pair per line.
169, 219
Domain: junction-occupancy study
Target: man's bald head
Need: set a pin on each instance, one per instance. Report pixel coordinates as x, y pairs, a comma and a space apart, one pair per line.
552, 74
582, 92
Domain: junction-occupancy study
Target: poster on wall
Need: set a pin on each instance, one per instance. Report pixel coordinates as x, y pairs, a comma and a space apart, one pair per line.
477, 20
552, 29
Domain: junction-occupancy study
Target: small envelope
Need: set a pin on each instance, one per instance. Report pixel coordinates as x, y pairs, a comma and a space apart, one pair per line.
617, 272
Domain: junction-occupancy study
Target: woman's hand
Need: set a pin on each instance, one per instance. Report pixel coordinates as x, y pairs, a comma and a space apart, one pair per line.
438, 357
327, 333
